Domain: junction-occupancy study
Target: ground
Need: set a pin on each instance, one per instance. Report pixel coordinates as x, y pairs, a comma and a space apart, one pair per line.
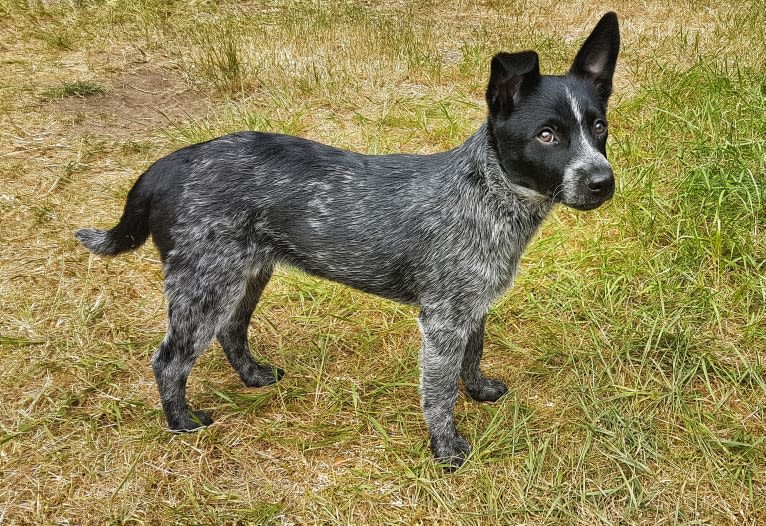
633, 342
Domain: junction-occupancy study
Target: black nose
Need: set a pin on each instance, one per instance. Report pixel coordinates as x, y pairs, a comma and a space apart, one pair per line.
601, 182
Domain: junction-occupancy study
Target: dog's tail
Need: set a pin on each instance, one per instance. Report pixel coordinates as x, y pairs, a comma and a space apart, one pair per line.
130, 233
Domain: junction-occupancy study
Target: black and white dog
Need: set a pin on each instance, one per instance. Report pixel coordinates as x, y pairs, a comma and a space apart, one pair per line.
444, 232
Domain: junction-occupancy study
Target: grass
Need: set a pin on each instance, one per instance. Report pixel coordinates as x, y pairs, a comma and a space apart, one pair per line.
634, 340
78, 88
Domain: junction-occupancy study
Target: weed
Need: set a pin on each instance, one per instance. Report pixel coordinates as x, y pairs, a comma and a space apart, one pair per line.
218, 58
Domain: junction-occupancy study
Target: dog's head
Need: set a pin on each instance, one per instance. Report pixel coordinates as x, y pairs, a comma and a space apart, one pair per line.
550, 131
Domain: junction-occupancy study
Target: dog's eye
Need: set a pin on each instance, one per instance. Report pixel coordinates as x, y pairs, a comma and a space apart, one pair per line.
599, 127
547, 136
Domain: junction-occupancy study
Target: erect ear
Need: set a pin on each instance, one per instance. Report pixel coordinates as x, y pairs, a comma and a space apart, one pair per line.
597, 57
512, 75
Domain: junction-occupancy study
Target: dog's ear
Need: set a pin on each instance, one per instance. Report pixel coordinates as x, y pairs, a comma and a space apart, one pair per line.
597, 57
512, 75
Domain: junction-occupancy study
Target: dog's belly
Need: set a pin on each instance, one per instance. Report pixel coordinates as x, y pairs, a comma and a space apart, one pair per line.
362, 263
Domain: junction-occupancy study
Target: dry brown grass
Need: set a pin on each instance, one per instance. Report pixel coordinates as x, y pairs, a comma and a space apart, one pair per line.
593, 433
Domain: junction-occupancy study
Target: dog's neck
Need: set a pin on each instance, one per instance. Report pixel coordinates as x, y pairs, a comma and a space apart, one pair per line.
504, 216
513, 201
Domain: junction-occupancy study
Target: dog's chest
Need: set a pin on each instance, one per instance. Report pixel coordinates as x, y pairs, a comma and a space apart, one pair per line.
493, 255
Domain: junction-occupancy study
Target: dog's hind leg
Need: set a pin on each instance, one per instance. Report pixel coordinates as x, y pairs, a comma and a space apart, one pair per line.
198, 302
479, 387
233, 335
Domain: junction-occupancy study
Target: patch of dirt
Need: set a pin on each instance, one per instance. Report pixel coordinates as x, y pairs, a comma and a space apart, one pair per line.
144, 98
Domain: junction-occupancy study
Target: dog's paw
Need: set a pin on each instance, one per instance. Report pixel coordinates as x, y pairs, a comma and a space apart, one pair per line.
262, 375
450, 450
193, 421
487, 390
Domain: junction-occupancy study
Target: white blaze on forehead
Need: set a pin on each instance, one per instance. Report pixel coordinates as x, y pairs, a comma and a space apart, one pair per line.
586, 152
575, 106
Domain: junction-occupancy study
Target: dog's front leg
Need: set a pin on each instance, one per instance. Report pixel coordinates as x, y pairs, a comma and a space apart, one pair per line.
444, 341
479, 387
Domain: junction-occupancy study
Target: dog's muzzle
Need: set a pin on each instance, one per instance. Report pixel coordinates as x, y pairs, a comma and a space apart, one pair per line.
593, 189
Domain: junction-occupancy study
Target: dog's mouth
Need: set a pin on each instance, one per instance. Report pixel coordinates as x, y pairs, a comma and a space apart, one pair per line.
588, 206
584, 206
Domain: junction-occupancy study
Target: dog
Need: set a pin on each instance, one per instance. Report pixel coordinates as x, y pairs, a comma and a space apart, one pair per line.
444, 232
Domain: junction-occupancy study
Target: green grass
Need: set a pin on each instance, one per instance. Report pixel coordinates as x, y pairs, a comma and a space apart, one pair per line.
78, 88
634, 340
